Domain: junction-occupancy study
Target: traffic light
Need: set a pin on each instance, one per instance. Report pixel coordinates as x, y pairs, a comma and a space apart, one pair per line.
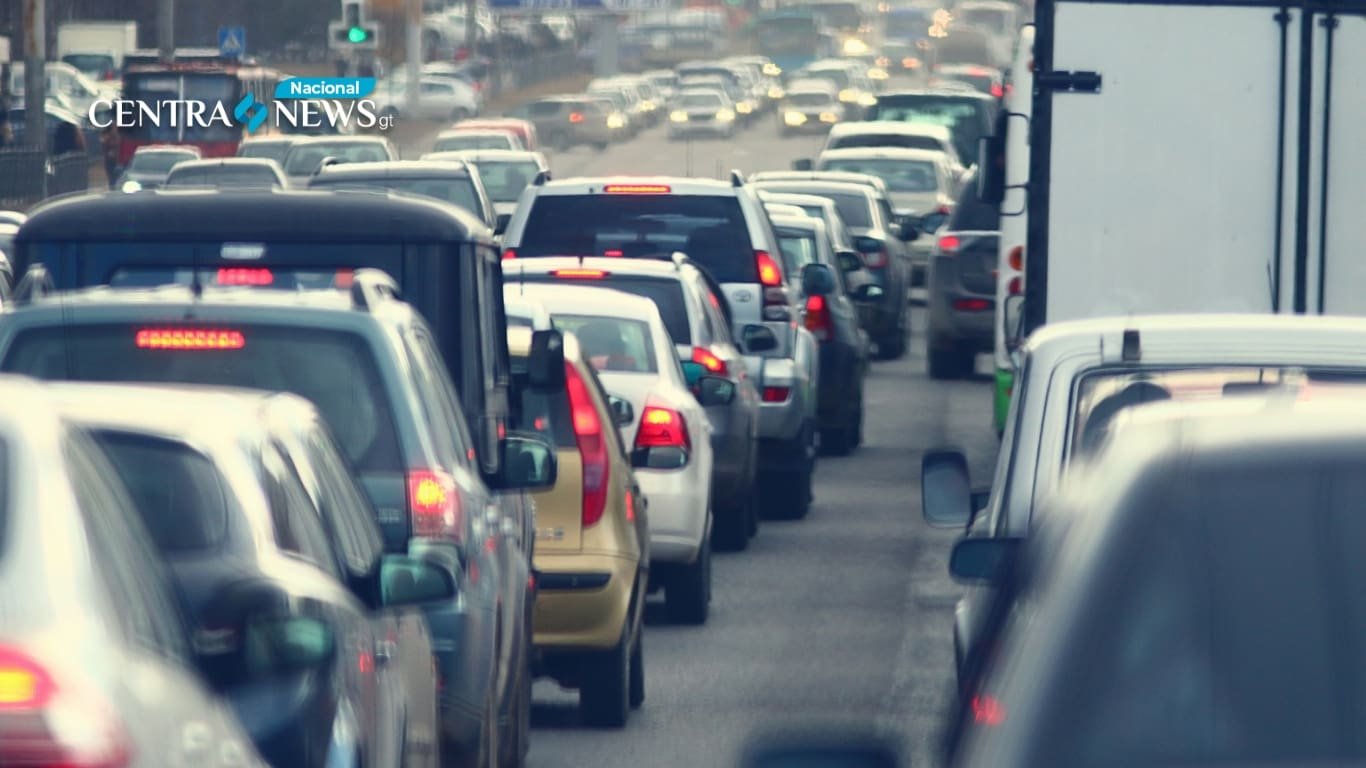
354, 30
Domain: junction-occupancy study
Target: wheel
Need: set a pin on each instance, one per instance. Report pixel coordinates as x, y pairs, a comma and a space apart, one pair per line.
842, 440
752, 511
950, 362
687, 594
514, 747
637, 692
893, 345
787, 495
604, 697
730, 529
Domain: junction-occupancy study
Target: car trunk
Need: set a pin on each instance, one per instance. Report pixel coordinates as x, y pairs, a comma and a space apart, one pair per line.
634, 388
976, 259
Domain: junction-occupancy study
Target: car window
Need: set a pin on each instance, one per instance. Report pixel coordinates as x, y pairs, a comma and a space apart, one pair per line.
667, 295
971, 214
459, 192
900, 175
360, 542
177, 491
798, 248
505, 180
156, 162
873, 140
446, 398
298, 525
435, 414
611, 343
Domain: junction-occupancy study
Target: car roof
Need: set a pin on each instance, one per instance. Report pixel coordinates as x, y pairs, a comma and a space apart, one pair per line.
810, 85
952, 93
340, 139
841, 177
271, 140
825, 185
491, 130
678, 185
779, 208
394, 169
264, 163
148, 149
797, 198
234, 215
889, 153
662, 268
891, 127
971, 69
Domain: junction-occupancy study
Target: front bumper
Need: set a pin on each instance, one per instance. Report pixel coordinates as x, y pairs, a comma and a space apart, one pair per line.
678, 513
583, 600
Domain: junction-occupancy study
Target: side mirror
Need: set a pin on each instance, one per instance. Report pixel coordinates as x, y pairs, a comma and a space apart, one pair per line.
868, 293
1012, 321
757, 339
503, 219
832, 750
991, 167
529, 462
866, 244
693, 372
984, 560
817, 280
945, 495
545, 364
408, 580
849, 261
622, 410
804, 164
714, 390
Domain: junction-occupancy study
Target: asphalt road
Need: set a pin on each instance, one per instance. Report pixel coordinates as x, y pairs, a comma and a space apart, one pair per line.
839, 619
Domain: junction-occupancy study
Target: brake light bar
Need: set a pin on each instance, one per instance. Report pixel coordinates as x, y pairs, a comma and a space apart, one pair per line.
189, 338
252, 276
24, 685
581, 274
637, 189
614, 253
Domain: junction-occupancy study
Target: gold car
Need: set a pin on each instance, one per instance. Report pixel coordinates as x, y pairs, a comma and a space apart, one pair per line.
592, 544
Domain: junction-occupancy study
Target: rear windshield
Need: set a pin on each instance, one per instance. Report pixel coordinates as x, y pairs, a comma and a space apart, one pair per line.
710, 229
989, 19
223, 177
177, 491
666, 294
505, 180
798, 247
334, 370
475, 141
273, 150
303, 160
157, 162
885, 140
458, 192
900, 175
612, 343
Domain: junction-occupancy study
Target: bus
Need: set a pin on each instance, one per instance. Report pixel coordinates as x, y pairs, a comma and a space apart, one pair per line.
202, 77
791, 38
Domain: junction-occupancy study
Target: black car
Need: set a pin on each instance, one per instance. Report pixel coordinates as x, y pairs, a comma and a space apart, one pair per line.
1193, 600
832, 317
961, 286
290, 600
450, 181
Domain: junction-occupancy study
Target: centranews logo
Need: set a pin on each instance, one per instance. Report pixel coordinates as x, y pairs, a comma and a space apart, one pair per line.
298, 103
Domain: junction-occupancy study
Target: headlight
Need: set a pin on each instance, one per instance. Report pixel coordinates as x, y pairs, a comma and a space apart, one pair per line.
878, 73
829, 117
855, 47
776, 93
867, 100
725, 116
772, 70
794, 118
910, 62
131, 186
744, 108
848, 94
648, 106
679, 116
615, 120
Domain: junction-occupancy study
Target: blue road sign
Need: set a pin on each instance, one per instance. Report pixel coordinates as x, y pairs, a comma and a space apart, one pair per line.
232, 42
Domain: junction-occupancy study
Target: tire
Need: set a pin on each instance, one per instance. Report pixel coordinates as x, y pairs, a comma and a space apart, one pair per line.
605, 696
752, 512
730, 529
842, 440
950, 362
687, 594
787, 495
893, 345
637, 693
514, 748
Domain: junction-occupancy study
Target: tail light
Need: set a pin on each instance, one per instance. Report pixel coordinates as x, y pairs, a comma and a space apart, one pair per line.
510, 253
987, 710
253, 276
592, 445
775, 293
776, 394
434, 505
714, 365
943, 210
662, 427
949, 244
876, 259
1015, 258
576, 117
972, 305
998, 90
1015, 287
44, 725
769, 274
818, 319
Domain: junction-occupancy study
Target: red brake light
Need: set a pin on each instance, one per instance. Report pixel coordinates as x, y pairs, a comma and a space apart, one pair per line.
592, 445
949, 243
662, 427
986, 710
580, 274
189, 338
637, 189
253, 276
24, 685
614, 253
1014, 287
876, 259
997, 90
776, 394
944, 210
818, 319
576, 117
434, 504
344, 278
972, 305
714, 365
510, 253
44, 725
1015, 258
769, 274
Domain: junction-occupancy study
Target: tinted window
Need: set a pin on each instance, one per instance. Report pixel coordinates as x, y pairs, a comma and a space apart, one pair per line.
704, 100
457, 191
298, 526
799, 249
966, 118
972, 214
839, 77
504, 181
611, 343
304, 159
334, 370
666, 294
809, 99
177, 491
223, 177
854, 209
711, 229
546, 413
268, 149
156, 162
475, 141
884, 140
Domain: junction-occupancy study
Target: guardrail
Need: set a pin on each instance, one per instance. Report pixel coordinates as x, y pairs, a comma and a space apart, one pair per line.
28, 177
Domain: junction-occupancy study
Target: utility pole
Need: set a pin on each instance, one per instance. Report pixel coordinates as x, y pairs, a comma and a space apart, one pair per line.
166, 30
414, 46
471, 27
35, 76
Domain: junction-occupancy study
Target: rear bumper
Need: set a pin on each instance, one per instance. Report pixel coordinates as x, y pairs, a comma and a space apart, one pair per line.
784, 420
948, 324
693, 127
583, 600
677, 511
838, 392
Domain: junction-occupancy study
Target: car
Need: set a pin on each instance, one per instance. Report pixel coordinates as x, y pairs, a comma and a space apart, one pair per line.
619, 125
697, 110
663, 426
571, 120
66, 520
151, 165
809, 105
454, 140
452, 182
961, 286
969, 115
999, 20
227, 172
822, 208
988, 80
267, 147
890, 134
592, 548
851, 82
731, 77
1073, 377
1173, 563
647, 102
665, 82
698, 320
741, 102
504, 175
767, 89
832, 317
524, 130
438, 98
722, 227
628, 101
374, 374
879, 239
307, 153
257, 562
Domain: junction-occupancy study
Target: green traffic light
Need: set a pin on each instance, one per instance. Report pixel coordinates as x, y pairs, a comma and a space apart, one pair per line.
356, 35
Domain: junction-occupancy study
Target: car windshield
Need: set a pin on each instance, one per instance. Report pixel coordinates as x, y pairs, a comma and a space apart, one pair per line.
457, 191
505, 180
176, 490
270, 150
303, 160
840, 77
475, 141
93, 64
335, 370
710, 229
703, 100
611, 344
157, 162
989, 19
900, 175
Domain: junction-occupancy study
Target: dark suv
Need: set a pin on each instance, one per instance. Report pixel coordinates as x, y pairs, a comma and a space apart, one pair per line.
961, 285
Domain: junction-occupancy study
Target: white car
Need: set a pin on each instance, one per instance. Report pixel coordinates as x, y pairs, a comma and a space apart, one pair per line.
438, 98
663, 425
893, 133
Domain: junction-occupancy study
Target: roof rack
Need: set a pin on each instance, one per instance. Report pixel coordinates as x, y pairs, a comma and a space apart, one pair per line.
737, 179
35, 285
371, 286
